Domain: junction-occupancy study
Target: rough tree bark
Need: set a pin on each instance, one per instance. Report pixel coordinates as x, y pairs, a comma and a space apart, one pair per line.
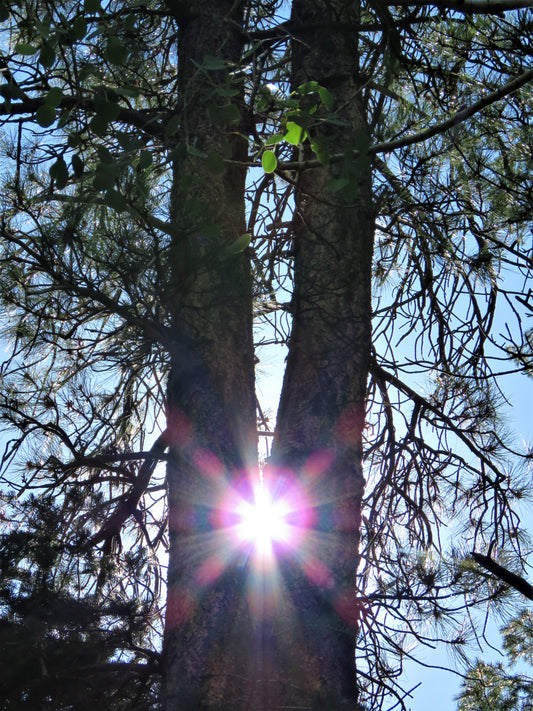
321, 411
217, 653
211, 400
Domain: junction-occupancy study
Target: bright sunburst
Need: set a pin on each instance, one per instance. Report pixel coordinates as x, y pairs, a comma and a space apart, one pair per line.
263, 521
264, 515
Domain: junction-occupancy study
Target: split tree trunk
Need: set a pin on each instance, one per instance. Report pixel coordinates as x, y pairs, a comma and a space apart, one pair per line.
219, 653
211, 397
321, 412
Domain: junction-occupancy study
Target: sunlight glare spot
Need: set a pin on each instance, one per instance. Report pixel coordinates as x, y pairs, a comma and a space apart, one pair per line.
263, 521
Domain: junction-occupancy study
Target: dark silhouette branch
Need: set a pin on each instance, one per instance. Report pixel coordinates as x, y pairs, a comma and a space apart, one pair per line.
512, 579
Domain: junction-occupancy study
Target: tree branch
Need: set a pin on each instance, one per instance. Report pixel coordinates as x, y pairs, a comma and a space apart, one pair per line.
512, 579
456, 119
467, 6
128, 505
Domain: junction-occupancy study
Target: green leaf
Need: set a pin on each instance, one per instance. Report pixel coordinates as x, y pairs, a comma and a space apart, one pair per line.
12, 91
196, 152
240, 244
145, 160
45, 115
301, 118
47, 56
105, 107
320, 148
224, 115
215, 163
78, 29
91, 5
327, 98
59, 173
269, 161
337, 184
116, 52
128, 90
129, 22
295, 133
276, 138
74, 140
43, 27
99, 125
104, 178
310, 87
53, 97
26, 49
114, 199
171, 126
212, 63
77, 165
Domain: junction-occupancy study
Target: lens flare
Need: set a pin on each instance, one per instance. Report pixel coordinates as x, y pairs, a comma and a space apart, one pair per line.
265, 515
263, 521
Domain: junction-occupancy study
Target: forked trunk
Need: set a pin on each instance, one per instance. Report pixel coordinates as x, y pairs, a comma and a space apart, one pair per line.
288, 639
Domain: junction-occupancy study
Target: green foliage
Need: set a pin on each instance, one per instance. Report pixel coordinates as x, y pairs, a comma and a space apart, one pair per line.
493, 687
105, 225
55, 636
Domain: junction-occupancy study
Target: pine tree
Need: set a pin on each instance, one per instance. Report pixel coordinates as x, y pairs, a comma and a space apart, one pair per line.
350, 178
494, 686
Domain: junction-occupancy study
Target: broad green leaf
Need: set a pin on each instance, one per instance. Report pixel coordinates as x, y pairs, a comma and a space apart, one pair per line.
45, 115
43, 27
59, 173
114, 199
11, 91
337, 184
145, 160
310, 87
327, 98
171, 125
74, 140
116, 51
104, 178
79, 28
64, 118
26, 49
212, 63
77, 165
99, 125
215, 163
129, 22
105, 108
295, 133
128, 90
302, 118
240, 244
47, 56
276, 138
196, 152
320, 148
53, 97
224, 115
269, 161
210, 232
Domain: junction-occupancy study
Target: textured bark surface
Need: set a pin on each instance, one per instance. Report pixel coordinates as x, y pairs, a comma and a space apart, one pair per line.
211, 401
321, 412
222, 650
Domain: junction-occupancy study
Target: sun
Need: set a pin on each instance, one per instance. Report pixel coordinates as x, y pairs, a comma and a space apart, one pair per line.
263, 521
265, 516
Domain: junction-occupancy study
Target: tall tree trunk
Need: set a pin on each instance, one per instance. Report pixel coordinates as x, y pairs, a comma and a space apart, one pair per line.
227, 645
321, 411
211, 396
